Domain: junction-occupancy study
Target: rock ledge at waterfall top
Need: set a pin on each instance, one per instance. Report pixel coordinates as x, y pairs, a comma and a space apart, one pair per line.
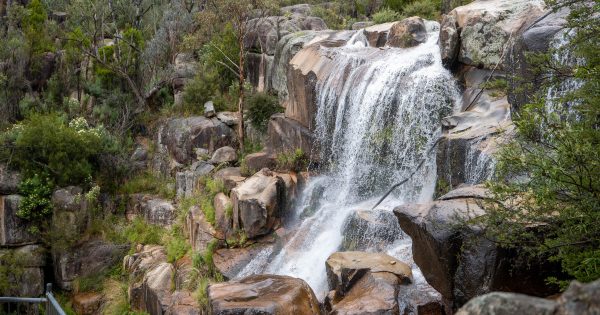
477, 33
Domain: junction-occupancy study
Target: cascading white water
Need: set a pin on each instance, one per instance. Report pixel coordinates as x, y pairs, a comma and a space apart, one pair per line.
562, 56
379, 112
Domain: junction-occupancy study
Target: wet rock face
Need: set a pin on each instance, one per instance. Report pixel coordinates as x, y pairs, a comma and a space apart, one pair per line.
537, 38
230, 261
258, 203
472, 137
484, 28
579, 299
263, 294
85, 259
463, 264
370, 229
180, 136
409, 32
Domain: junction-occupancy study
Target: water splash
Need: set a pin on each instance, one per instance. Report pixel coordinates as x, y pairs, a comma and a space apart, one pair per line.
379, 111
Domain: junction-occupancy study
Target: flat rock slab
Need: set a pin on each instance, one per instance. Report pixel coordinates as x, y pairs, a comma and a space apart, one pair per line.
342, 265
263, 294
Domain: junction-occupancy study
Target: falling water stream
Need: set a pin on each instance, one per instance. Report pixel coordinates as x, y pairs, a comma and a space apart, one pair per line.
379, 112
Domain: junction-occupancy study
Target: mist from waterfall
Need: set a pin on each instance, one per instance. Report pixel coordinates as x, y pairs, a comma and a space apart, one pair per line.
379, 112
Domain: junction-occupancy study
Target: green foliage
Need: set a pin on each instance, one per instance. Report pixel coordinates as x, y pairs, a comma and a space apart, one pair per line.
11, 270
386, 15
396, 5
176, 248
221, 54
427, 9
261, 106
295, 161
36, 204
331, 17
149, 183
45, 144
547, 198
139, 231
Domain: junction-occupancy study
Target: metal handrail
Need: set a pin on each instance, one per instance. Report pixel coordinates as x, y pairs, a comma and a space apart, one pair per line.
52, 306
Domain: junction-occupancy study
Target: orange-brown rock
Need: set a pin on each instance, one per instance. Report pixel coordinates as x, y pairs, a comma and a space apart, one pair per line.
87, 303
263, 294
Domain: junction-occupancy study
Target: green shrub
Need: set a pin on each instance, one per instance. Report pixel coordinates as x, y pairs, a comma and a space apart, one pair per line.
46, 145
176, 248
149, 183
426, 9
396, 5
295, 161
36, 204
333, 20
261, 106
139, 231
386, 15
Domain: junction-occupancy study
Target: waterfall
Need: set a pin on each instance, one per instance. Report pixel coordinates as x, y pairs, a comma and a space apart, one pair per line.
379, 111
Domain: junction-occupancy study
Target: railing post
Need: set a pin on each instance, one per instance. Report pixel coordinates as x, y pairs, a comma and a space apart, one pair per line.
48, 303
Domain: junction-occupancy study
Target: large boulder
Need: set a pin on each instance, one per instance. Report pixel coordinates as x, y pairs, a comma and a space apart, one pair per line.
263, 294
286, 135
377, 35
186, 181
223, 214
71, 216
483, 29
462, 263
409, 32
224, 155
265, 33
14, 231
580, 299
151, 209
25, 266
156, 286
180, 136
257, 161
537, 38
9, 180
85, 259
342, 266
286, 49
365, 283
258, 203
370, 230
308, 64
500, 303
199, 230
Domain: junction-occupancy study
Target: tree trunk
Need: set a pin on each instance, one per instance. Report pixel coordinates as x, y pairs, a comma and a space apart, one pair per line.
241, 98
